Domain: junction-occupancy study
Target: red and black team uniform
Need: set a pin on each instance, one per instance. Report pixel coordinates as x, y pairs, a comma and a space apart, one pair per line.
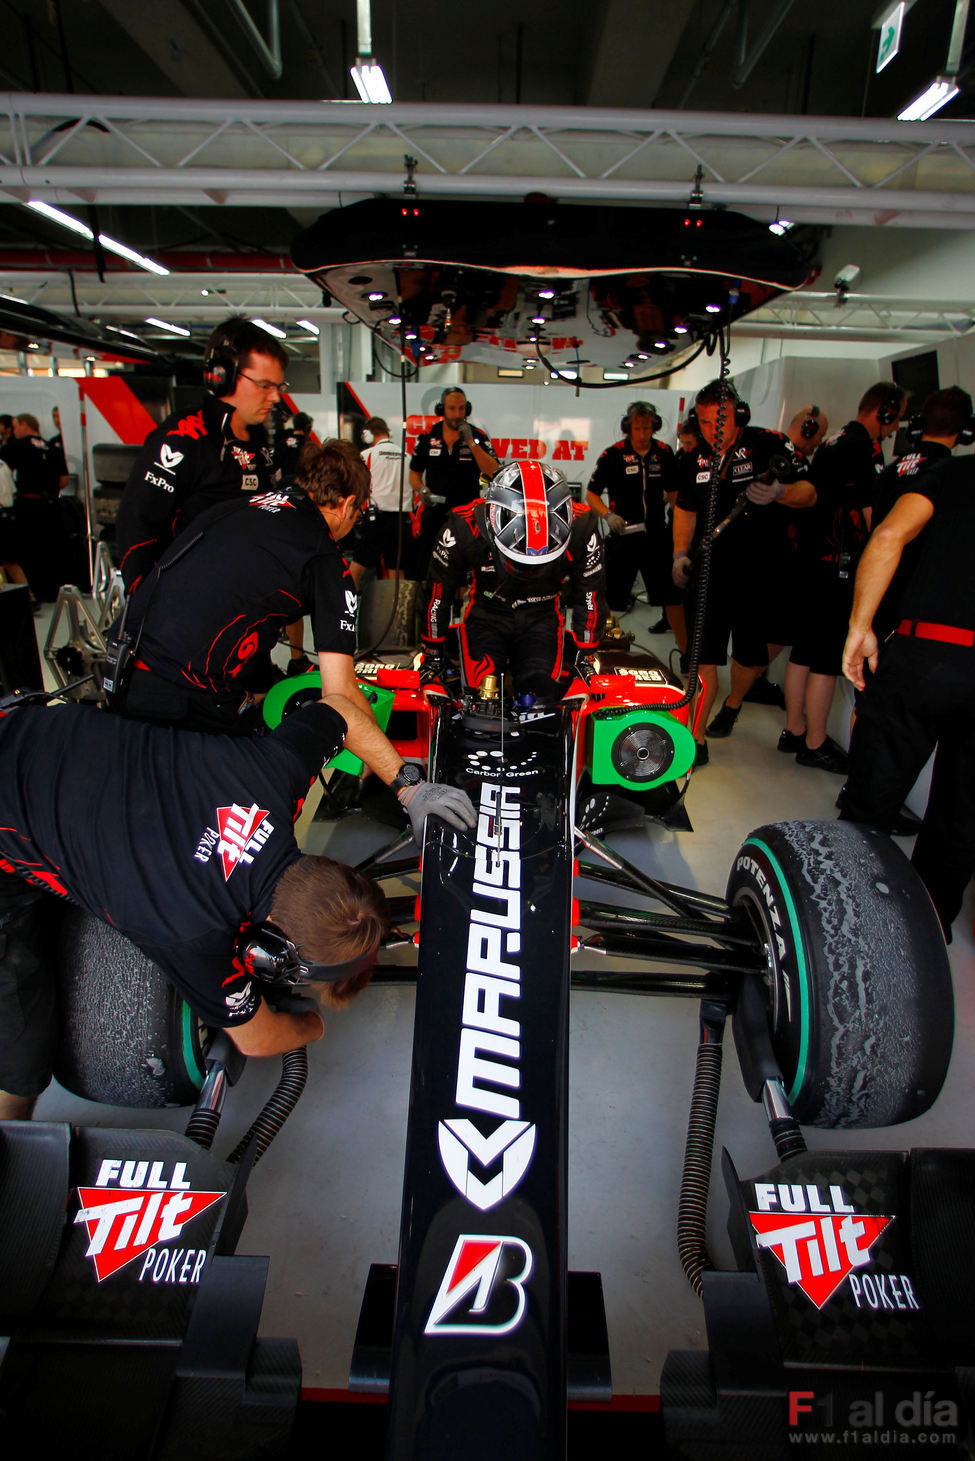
447, 472
845, 472
215, 822
287, 450
514, 618
636, 488
212, 612
35, 540
894, 480
752, 557
923, 694
190, 463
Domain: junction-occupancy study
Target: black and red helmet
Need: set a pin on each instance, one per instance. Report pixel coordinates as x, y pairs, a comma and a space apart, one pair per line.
528, 507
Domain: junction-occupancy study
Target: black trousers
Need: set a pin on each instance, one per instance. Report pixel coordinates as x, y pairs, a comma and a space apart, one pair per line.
921, 698
526, 640
28, 1027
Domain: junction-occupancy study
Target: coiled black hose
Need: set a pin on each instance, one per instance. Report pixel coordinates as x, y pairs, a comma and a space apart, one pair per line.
695, 1179
202, 1128
279, 1106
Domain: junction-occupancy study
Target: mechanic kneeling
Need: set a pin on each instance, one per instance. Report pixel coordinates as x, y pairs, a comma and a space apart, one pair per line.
521, 543
183, 842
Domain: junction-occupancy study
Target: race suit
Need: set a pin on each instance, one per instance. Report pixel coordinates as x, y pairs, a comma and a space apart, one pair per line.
514, 619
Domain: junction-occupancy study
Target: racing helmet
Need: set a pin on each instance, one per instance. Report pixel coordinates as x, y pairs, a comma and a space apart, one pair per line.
528, 510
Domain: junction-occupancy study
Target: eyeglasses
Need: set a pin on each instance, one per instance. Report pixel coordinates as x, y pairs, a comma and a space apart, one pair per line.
266, 385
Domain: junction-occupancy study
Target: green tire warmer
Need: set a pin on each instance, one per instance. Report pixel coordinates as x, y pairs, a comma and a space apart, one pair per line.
287, 695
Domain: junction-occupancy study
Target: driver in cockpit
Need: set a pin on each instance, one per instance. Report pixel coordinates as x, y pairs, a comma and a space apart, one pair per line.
521, 544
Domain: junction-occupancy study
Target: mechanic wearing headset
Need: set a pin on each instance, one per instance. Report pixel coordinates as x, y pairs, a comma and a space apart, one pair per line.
35, 513
206, 455
521, 542
639, 477
845, 473
289, 446
383, 536
184, 847
448, 461
222, 591
922, 692
807, 429
747, 551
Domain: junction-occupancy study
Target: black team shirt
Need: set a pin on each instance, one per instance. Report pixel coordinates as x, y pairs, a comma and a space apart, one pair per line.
174, 838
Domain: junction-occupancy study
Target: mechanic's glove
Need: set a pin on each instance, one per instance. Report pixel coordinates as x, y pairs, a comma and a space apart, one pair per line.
681, 570
762, 493
615, 523
585, 666
465, 433
433, 799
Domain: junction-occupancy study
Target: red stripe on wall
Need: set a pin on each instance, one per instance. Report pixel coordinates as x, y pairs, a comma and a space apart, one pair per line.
120, 407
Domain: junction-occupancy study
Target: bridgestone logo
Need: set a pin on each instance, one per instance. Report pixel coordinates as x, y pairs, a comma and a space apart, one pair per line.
488, 1074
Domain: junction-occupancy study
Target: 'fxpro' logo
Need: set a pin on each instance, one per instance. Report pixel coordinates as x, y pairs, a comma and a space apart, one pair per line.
483, 1288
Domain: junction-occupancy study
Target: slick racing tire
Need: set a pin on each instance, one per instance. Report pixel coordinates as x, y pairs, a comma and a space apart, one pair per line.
126, 1037
858, 997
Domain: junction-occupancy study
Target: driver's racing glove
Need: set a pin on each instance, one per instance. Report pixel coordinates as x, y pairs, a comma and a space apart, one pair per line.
433, 799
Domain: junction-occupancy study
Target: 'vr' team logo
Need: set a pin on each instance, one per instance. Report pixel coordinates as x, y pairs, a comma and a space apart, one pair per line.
483, 1289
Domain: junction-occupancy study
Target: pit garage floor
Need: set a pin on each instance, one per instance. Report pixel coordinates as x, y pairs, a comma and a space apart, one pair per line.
324, 1202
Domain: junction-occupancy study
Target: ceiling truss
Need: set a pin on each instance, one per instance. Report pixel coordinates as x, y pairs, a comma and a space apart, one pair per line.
130, 150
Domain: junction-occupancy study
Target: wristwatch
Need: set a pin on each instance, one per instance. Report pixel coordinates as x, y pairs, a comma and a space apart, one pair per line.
409, 774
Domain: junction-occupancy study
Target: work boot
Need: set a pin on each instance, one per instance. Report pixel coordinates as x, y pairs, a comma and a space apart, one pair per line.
724, 722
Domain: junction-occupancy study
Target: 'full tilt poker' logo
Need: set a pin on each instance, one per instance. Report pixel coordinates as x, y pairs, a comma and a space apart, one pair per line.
820, 1241
242, 833
142, 1211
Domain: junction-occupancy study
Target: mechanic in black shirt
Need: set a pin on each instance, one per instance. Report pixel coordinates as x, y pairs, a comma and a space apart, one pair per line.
638, 479
290, 445
448, 462
181, 844
35, 506
208, 455
845, 472
922, 692
752, 526
944, 422
521, 543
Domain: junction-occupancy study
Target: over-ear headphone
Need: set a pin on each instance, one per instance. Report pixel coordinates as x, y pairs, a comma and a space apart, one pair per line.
440, 408
644, 408
810, 426
266, 953
222, 365
967, 434
889, 410
742, 412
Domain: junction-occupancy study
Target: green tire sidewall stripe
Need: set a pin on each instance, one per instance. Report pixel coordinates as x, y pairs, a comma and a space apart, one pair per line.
191, 1060
801, 967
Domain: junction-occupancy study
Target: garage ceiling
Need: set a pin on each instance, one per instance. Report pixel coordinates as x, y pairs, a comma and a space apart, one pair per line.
493, 102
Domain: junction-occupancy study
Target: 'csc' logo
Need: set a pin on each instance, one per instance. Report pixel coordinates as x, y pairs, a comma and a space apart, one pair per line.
483, 1289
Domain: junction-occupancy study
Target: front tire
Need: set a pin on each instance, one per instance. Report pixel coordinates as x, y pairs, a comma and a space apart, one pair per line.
126, 1036
858, 996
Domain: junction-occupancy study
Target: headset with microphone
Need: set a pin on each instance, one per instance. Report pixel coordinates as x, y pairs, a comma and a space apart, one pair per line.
889, 409
641, 408
266, 953
440, 409
222, 365
810, 426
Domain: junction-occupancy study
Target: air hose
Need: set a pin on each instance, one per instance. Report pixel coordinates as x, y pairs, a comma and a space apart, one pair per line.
279, 1106
695, 1182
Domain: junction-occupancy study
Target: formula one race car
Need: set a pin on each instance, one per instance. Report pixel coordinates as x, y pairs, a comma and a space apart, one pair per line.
826, 952
827, 955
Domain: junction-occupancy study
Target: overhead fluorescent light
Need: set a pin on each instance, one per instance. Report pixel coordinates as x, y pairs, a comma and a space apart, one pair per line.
507, 373
369, 80
117, 330
271, 329
124, 252
780, 226
65, 219
309, 326
937, 95
165, 325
